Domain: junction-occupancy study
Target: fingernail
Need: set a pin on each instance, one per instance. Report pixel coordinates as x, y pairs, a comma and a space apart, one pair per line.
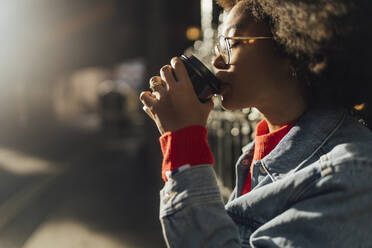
147, 111
174, 60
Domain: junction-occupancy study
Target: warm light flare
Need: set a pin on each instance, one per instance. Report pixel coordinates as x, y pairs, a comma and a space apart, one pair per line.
250, 41
359, 107
193, 33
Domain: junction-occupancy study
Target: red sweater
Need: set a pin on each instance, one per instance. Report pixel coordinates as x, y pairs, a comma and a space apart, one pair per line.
265, 142
189, 146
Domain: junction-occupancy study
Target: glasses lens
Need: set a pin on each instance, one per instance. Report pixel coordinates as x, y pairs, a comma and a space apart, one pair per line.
223, 49
216, 50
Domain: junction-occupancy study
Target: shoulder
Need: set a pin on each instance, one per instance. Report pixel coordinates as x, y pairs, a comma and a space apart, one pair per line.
352, 143
344, 163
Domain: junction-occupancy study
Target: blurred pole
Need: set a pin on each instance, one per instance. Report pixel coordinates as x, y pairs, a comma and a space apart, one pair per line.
206, 7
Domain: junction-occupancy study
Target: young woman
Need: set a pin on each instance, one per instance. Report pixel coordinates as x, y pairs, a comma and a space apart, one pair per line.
305, 179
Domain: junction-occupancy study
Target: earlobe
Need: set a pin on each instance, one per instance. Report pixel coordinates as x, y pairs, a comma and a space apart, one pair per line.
290, 67
292, 71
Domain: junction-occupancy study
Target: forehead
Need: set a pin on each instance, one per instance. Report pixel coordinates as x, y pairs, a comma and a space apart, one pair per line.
239, 19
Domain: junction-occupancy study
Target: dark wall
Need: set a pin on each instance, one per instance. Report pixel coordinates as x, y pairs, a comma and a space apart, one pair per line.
42, 40
53, 37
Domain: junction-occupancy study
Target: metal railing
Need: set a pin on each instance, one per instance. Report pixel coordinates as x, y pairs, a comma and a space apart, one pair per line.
228, 132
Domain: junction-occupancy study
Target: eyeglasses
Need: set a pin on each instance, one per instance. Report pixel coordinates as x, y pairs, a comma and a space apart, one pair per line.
223, 46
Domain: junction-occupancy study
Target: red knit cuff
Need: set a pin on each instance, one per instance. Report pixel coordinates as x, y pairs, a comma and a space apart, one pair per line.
188, 145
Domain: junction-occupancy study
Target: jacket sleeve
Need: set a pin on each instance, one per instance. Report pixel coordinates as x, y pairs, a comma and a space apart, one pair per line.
192, 213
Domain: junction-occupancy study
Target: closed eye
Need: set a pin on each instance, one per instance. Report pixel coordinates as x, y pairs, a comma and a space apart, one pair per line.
235, 44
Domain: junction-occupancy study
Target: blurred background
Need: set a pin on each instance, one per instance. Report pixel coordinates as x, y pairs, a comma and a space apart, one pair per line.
79, 160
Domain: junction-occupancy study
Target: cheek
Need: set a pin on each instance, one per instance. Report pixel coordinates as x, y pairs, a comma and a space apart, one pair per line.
252, 71
255, 71
250, 62
248, 73
243, 85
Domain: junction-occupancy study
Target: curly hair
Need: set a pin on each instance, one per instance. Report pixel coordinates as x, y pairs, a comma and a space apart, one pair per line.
329, 43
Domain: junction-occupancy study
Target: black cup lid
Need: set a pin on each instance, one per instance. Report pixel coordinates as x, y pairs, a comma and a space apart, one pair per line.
202, 71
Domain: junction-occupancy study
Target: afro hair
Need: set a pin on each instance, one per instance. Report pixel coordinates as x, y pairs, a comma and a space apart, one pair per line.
329, 42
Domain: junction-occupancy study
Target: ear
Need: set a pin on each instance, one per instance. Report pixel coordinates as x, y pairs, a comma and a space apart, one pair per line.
291, 66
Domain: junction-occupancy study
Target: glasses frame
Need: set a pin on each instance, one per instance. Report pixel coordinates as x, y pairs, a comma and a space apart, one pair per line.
227, 48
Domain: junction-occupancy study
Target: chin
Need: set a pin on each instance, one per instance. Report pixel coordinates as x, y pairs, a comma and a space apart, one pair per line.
228, 104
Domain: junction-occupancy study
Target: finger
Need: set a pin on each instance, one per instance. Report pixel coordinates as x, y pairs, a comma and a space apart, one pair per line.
167, 75
161, 88
179, 69
148, 99
156, 95
148, 112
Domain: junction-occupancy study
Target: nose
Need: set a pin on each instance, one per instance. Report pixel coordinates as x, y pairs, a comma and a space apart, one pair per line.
219, 63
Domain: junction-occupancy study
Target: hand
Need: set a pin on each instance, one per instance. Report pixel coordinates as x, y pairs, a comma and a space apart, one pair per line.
173, 104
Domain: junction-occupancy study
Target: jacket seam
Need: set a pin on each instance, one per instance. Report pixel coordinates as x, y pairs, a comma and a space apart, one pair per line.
177, 207
333, 172
329, 136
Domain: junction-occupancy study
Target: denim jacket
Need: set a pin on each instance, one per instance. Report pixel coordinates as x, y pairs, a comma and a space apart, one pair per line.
313, 190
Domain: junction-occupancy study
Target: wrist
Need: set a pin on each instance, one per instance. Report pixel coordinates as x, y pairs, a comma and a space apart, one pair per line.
188, 145
184, 125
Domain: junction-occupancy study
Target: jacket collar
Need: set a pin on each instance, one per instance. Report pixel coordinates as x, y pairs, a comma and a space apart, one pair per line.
302, 142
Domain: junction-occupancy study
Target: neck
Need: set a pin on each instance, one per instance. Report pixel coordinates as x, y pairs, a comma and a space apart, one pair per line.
283, 110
